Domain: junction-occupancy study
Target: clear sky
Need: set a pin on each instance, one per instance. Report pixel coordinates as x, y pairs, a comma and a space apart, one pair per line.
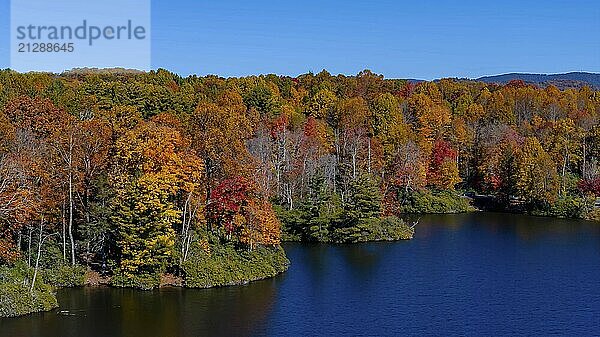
400, 39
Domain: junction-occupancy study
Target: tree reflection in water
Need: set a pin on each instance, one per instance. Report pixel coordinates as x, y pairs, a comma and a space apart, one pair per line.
228, 311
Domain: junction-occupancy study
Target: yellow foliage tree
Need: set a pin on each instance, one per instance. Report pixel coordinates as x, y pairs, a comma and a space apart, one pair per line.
536, 178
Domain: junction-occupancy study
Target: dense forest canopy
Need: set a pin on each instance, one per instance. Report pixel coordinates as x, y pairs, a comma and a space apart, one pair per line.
127, 168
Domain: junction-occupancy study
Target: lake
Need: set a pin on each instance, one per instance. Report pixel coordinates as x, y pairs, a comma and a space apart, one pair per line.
474, 274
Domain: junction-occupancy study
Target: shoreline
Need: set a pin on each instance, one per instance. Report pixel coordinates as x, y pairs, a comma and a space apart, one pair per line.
94, 279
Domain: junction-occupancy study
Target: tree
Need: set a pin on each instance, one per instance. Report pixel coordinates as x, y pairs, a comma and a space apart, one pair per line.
261, 225
262, 99
321, 104
64, 137
145, 219
218, 133
154, 171
31, 187
497, 162
536, 179
133, 166
443, 169
321, 210
384, 109
364, 199
93, 146
238, 211
565, 144
590, 186
14, 206
405, 162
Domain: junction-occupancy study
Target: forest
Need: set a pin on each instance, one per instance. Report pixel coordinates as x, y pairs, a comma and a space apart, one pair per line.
139, 175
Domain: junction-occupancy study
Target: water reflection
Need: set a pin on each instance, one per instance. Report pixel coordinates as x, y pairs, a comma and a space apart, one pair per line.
230, 311
526, 228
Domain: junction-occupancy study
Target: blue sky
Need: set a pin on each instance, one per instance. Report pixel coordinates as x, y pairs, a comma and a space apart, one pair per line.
400, 39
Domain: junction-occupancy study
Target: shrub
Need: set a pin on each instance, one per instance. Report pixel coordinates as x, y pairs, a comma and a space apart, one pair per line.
389, 228
568, 207
564, 207
394, 228
223, 265
436, 202
65, 276
341, 227
593, 215
16, 297
143, 281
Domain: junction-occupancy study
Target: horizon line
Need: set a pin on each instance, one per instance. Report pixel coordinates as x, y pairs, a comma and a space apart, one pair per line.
300, 74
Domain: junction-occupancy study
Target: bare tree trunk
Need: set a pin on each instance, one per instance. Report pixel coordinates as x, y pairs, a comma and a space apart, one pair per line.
354, 154
39, 252
71, 217
337, 159
64, 232
29, 248
289, 195
185, 230
302, 176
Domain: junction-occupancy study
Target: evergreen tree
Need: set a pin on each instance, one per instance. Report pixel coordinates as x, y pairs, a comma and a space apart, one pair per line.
364, 199
322, 210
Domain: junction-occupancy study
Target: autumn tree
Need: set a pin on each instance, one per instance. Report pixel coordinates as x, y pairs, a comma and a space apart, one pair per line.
32, 182
443, 169
565, 146
238, 211
218, 132
153, 170
536, 178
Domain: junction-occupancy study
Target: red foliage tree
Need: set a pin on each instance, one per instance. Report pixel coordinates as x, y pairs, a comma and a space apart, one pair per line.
237, 207
227, 200
443, 171
590, 186
442, 151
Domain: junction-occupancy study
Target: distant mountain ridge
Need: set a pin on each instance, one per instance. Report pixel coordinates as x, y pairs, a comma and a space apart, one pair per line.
562, 81
574, 79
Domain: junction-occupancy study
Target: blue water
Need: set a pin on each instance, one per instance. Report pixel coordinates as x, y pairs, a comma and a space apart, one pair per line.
480, 274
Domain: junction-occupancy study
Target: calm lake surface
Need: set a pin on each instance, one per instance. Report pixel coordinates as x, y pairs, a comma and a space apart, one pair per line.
476, 274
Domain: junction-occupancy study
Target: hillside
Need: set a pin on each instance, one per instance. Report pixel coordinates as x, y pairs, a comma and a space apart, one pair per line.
562, 81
